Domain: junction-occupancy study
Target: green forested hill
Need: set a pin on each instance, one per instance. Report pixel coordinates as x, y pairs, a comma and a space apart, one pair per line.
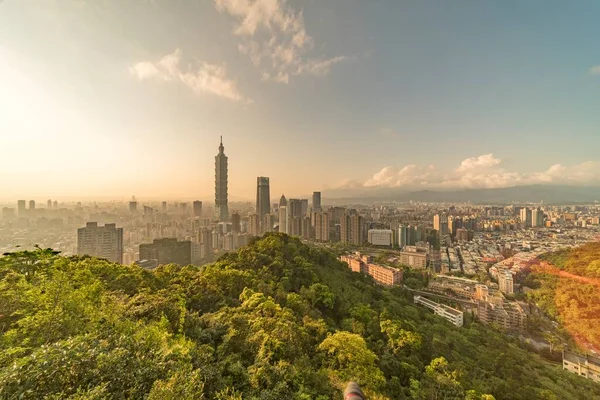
275, 320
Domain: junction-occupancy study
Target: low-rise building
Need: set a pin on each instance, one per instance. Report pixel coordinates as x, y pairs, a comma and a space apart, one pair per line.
415, 257
380, 273
380, 237
582, 365
450, 314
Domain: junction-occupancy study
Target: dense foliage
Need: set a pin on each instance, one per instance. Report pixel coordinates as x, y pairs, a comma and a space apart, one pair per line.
582, 261
572, 295
275, 320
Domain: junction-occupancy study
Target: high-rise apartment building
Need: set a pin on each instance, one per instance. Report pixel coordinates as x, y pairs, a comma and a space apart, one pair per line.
254, 222
295, 208
206, 243
101, 241
526, 217
164, 206
322, 226
316, 202
357, 230
537, 218
31, 206
267, 223
132, 206
263, 197
167, 251
505, 282
345, 228
295, 226
303, 208
440, 224
197, 208
21, 208
49, 204
55, 204
236, 222
221, 206
307, 231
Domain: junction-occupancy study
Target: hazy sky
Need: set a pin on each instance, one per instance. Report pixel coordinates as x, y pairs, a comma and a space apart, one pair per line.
113, 98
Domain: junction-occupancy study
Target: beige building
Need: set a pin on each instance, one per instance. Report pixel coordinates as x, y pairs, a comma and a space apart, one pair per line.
505, 281
380, 273
322, 221
415, 257
101, 241
586, 365
450, 314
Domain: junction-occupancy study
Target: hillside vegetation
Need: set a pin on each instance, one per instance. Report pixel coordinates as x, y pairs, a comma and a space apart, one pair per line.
571, 294
275, 320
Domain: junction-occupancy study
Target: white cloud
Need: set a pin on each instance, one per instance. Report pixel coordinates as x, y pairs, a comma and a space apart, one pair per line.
482, 172
274, 37
206, 78
484, 161
595, 70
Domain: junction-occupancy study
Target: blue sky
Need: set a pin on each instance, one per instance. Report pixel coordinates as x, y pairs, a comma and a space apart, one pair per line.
117, 98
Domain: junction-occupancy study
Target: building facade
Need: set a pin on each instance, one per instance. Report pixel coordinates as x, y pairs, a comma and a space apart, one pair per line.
583, 365
316, 202
167, 251
263, 198
101, 241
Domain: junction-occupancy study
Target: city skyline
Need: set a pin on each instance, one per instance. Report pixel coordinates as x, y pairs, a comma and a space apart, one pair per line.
350, 95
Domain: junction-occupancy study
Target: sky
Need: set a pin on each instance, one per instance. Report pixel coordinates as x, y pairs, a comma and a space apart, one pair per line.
112, 98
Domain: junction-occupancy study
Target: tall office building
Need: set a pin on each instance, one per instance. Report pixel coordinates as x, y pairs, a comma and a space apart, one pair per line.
537, 218
197, 207
132, 206
263, 198
295, 226
101, 241
403, 235
236, 222
254, 222
316, 202
303, 208
21, 208
31, 206
440, 224
49, 204
283, 219
167, 251
221, 206
526, 217
164, 206
55, 204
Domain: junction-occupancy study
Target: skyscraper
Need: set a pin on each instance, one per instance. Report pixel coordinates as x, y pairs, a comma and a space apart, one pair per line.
21, 208
263, 198
295, 208
267, 223
303, 207
322, 226
164, 206
49, 204
101, 241
537, 218
236, 222
221, 207
283, 219
197, 207
254, 222
526, 217
132, 206
282, 201
31, 205
357, 230
316, 202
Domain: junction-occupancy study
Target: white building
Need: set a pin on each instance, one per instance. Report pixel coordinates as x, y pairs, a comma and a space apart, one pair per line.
380, 237
505, 281
448, 313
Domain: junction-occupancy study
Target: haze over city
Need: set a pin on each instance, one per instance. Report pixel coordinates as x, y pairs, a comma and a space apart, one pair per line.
105, 99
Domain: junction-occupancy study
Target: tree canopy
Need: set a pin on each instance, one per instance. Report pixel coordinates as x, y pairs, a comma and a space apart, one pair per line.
277, 319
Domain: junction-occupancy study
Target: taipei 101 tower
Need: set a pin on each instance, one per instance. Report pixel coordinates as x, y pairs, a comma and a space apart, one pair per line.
221, 208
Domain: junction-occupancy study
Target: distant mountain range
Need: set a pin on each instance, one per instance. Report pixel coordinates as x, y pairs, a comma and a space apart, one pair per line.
514, 194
